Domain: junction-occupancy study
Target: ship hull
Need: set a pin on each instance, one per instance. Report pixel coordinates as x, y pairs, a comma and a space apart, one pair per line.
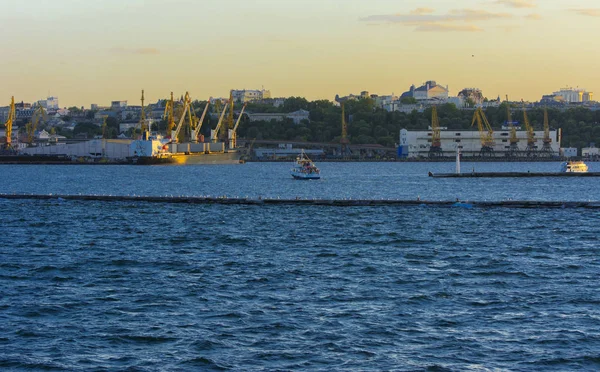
232, 157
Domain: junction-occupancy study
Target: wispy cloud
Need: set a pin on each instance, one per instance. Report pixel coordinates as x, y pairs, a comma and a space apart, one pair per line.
422, 11
144, 51
533, 17
587, 12
423, 19
518, 3
437, 27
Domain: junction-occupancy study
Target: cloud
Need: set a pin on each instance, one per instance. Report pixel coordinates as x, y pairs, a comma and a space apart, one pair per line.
143, 51
436, 27
533, 17
422, 11
423, 19
518, 3
587, 12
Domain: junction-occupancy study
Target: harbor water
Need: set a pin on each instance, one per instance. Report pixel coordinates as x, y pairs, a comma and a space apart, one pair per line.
88, 285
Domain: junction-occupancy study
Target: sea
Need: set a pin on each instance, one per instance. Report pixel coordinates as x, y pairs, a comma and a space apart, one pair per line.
137, 286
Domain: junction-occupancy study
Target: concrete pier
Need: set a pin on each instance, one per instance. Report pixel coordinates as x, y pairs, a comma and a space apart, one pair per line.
513, 174
307, 202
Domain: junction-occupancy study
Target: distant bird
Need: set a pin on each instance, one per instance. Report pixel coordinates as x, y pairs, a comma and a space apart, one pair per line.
472, 55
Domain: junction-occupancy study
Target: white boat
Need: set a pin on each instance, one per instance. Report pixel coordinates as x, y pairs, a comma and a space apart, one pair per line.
305, 169
574, 167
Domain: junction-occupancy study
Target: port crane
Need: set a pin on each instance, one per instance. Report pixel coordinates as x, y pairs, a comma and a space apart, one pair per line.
513, 150
198, 125
435, 151
344, 141
229, 124
546, 147
233, 132
186, 108
214, 132
12, 117
168, 114
531, 149
486, 133
143, 125
31, 127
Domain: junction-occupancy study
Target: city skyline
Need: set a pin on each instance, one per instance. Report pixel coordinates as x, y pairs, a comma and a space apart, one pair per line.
99, 51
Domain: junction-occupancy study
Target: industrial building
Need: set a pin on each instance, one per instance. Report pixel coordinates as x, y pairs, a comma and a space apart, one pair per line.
414, 144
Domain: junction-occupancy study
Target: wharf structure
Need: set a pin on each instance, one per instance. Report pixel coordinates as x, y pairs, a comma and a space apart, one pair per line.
417, 144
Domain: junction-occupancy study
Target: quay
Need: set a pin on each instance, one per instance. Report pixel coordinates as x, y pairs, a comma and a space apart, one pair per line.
307, 202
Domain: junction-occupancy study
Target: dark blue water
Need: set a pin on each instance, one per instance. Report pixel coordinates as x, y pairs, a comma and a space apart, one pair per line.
139, 286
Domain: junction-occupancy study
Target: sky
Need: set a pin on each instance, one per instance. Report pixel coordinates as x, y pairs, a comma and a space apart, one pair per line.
97, 51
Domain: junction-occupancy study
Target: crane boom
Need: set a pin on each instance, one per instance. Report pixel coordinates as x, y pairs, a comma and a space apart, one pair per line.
215, 132
175, 133
196, 129
239, 118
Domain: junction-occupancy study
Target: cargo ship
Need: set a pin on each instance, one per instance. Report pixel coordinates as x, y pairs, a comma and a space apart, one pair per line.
156, 151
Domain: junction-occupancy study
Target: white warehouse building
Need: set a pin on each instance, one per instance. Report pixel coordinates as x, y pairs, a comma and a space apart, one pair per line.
414, 144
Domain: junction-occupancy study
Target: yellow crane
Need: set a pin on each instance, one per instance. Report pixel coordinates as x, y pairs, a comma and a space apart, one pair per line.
547, 147
215, 132
344, 141
513, 150
531, 147
486, 133
233, 132
198, 123
436, 136
186, 108
31, 127
12, 117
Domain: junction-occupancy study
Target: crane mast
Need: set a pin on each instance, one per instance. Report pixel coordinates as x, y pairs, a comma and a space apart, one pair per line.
436, 137
143, 127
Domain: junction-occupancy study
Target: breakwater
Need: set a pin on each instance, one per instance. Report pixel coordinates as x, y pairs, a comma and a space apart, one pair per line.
308, 202
513, 174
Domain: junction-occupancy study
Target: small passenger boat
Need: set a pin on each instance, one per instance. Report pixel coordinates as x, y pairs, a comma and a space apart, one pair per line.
573, 167
305, 169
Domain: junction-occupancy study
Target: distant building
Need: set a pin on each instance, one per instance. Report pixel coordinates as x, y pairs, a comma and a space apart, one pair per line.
245, 95
296, 116
472, 94
430, 90
50, 103
571, 95
118, 105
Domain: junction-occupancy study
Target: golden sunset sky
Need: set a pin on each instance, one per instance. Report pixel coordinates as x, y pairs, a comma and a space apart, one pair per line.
95, 51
